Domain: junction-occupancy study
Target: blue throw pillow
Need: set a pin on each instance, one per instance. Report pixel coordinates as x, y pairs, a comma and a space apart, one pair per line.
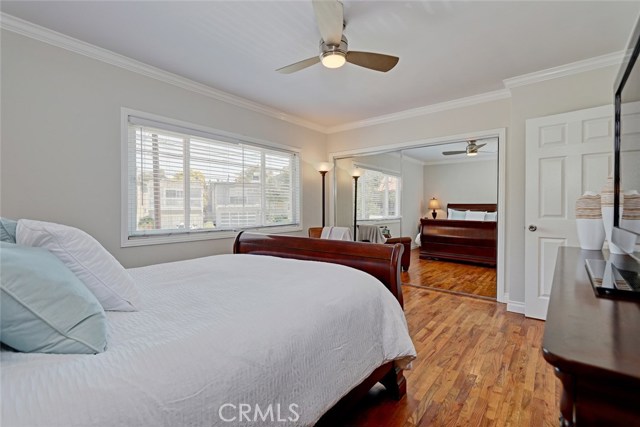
44, 307
8, 230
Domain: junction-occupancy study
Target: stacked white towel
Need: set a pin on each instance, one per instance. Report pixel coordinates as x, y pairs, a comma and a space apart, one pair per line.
336, 233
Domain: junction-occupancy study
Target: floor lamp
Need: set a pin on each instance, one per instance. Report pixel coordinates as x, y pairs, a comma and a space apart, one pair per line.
323, 168
356, 173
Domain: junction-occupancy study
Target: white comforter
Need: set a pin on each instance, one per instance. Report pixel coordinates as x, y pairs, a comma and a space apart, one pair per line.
214, 334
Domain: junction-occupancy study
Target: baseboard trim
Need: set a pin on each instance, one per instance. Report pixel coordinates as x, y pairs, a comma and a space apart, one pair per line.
448, 291
515, 307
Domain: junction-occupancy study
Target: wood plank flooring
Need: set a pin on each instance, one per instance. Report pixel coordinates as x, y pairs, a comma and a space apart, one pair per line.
451, 276
477, 365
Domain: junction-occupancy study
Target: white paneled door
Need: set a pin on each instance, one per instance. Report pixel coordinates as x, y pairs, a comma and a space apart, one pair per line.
566, 155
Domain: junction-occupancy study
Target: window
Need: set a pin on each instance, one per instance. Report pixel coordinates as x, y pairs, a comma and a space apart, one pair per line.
378, 195
191, 183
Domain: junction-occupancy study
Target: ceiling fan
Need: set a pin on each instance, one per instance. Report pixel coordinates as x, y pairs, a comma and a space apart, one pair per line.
471, 150
334, 50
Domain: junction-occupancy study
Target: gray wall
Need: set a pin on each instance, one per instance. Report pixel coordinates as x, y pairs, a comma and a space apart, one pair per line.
464, 182
412, 197
574, 92
61, 142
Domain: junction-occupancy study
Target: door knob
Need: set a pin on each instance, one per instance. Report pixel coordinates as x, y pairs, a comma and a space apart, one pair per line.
532, 228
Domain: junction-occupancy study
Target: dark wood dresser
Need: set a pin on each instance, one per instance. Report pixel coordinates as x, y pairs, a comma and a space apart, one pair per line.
594, 345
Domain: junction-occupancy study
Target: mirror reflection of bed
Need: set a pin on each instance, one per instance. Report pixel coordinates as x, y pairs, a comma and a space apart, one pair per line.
460, 251
457, 252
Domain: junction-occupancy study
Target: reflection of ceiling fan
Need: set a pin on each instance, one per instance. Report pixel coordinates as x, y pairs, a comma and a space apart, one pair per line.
471, 150
334, 50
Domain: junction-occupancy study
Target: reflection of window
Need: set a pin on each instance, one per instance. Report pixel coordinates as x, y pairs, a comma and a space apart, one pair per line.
230, 184
378, 195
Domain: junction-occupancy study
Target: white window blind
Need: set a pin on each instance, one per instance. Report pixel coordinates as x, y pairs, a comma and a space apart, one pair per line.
378, 195
182, 181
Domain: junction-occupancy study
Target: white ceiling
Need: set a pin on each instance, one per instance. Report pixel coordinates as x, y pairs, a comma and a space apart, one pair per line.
448, 49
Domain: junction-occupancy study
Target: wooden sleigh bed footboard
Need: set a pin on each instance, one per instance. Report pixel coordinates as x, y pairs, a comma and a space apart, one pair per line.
460, 240
381, 261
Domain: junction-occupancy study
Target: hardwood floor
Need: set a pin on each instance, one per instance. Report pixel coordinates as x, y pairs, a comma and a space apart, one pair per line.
451, 276
477, 365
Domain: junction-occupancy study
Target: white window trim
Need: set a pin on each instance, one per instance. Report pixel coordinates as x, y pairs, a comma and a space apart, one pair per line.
390, 220
389, 172
125, 241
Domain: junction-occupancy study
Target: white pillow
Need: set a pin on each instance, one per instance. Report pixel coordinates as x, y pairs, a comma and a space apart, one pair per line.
491, 216
86, 258
475, 215
455, 214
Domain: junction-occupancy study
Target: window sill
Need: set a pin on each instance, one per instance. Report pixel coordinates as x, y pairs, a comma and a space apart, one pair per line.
198, 236
380, 220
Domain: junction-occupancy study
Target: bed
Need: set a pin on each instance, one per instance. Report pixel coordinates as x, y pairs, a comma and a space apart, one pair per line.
286, 338
405, 260
460, 240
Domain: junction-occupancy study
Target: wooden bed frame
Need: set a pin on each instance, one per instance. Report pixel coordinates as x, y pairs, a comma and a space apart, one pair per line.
405, 259
460, 240
381, 261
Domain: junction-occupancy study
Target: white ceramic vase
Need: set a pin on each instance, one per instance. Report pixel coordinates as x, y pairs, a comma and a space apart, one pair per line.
630, 220
591, 233
631, 212
606, 200
589, 224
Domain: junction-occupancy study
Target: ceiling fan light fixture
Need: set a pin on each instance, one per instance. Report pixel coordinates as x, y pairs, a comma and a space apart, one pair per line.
472, 148
333, 59
334, 55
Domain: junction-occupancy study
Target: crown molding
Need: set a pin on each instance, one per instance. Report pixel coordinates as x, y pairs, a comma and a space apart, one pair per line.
404, 157
54, 38
412, 160
565, 70
422, 111
37, 32
462, 159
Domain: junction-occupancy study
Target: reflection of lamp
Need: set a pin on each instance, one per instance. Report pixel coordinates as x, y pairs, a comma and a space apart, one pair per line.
355, 173
434, 204
323, 168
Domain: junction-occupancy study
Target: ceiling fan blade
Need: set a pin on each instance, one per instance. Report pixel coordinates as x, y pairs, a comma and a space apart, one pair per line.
373, 61
299, 65
330, 19
450, 153
480, 145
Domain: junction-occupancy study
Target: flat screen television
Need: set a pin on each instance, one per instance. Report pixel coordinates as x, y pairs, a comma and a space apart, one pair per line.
626, 227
